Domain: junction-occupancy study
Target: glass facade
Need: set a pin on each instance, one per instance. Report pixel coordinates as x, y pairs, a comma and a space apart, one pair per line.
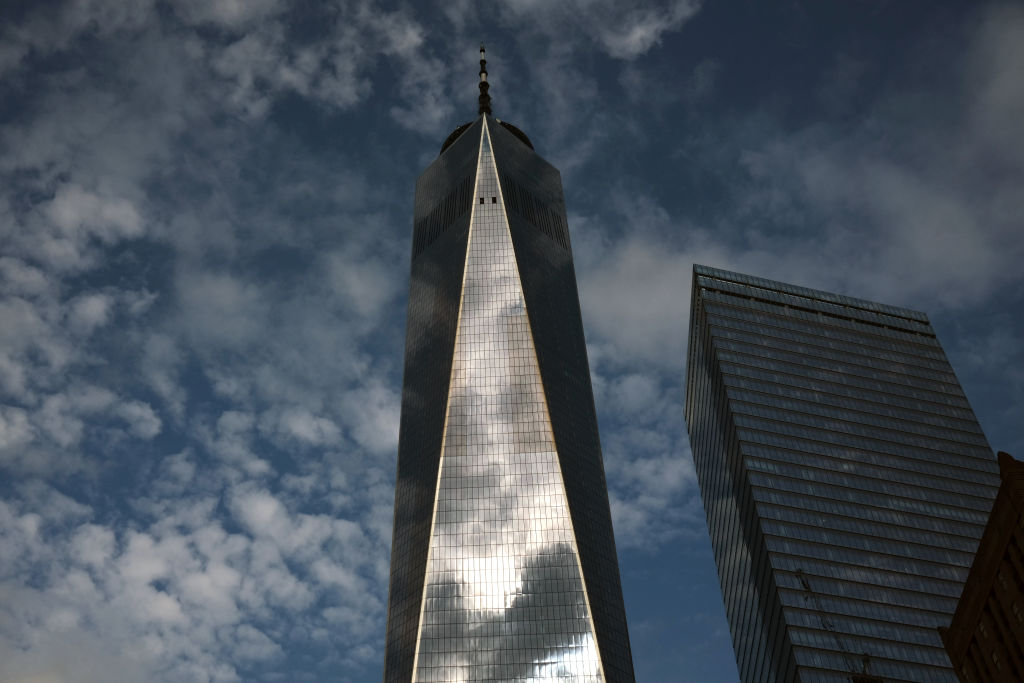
845, 479
503, 560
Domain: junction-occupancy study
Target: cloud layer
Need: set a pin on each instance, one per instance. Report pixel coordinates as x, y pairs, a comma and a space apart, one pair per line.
205, 216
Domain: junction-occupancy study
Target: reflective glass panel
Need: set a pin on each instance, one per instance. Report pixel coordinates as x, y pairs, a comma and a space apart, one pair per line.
504, 598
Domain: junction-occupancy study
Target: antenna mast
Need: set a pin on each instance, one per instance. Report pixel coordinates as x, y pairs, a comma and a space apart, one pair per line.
485, 99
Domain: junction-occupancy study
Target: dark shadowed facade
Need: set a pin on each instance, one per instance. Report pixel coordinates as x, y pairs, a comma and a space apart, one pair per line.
985, 642
503, 562
844, 476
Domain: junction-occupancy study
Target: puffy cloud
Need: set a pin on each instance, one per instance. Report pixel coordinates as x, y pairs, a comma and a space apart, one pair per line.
231, 441
160, 368
221, 310
371, 414
206, 222
92, 545
230, 14
630, 298
89, 311
643, 27
301, 425
15, 429
47, 32
20, 278
623, 31
76, 212
142, 421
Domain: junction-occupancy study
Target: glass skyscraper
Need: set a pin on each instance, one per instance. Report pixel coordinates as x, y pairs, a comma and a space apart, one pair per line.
503, 564
844, 476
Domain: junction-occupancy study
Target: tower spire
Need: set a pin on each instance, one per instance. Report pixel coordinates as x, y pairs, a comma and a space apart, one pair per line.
485, 99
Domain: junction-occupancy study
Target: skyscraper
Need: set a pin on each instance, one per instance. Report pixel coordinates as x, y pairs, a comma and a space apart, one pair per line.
844, 476
503, 563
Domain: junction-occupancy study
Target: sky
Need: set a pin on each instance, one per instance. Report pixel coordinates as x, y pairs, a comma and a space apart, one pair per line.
205, 233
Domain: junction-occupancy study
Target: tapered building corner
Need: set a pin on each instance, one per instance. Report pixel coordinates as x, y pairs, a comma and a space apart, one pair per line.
844, 477
503, 563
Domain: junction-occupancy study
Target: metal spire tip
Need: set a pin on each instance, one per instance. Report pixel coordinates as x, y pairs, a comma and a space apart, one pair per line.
485, 99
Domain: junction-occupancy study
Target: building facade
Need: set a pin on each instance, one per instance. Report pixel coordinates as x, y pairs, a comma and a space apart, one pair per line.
985, 642
503, 563
844, 476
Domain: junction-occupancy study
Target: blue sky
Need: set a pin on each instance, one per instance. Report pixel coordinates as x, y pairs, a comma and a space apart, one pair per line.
205, 224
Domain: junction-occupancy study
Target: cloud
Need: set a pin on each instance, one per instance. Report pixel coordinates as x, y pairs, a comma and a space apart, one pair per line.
15, 429
643, 28
622, 31
996, 108
46, 32
630, 297
20, 278
221, 310
300, 425
161, 365
372, 415
205, 213
647, 464
364, 283
187, 600
832, 205
142, 421
92, 545
76, 212
229, 14
89, 311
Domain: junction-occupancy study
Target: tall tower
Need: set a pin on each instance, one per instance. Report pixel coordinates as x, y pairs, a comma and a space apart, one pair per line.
844, 476
503, 562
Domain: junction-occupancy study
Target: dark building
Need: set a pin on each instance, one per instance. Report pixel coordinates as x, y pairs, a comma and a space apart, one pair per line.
844, 476
503, 562
985, 642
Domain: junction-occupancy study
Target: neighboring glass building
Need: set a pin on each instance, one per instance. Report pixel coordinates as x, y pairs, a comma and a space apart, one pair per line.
503, 563
844, 476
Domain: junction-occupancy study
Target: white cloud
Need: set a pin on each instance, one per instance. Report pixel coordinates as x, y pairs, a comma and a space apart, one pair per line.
997, 103
301, 425
230, 14
220, 310
624, 31
231, 442
23, 326
51, 31
166, 234
643, 28
126, 286
75, 211
92, 545
632, 298
89, 311
161, 365
15, 428
371, 414
54, 507
214, 590
253, 645
262, 64
72, 225
142, 421
21, 278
